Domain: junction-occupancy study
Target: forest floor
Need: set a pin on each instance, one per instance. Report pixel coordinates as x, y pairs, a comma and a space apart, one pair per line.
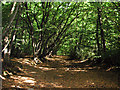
60, 72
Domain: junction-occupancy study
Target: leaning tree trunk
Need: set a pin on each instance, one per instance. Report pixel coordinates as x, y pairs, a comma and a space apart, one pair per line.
8, 43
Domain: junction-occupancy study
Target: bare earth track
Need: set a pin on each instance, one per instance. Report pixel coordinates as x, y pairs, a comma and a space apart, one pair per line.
59, 72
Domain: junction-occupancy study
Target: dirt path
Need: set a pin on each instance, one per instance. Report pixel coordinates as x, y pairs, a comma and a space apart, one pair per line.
61, 73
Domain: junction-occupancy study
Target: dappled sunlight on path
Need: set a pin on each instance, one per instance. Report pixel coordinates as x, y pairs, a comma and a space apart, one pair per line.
59, 72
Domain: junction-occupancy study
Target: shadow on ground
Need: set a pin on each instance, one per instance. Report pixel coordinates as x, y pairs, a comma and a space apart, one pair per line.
59, 72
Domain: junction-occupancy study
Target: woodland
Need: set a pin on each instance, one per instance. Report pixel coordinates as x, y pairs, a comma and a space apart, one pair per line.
60, 45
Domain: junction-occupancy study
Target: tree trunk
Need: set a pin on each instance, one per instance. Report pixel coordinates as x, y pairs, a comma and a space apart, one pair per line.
6, 57
31, 30
102, 32
97, 38
7, 28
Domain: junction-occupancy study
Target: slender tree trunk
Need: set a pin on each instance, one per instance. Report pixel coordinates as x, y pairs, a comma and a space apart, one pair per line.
33, 46
102, 32
31, 30
13, 36
8, 43
7, 28
97, 38
6, 54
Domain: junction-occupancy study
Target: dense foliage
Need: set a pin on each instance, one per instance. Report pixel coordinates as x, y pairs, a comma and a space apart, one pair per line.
81, 30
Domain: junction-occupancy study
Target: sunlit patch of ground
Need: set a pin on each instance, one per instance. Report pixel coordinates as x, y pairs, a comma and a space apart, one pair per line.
23, 80
55, 74
46, 69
